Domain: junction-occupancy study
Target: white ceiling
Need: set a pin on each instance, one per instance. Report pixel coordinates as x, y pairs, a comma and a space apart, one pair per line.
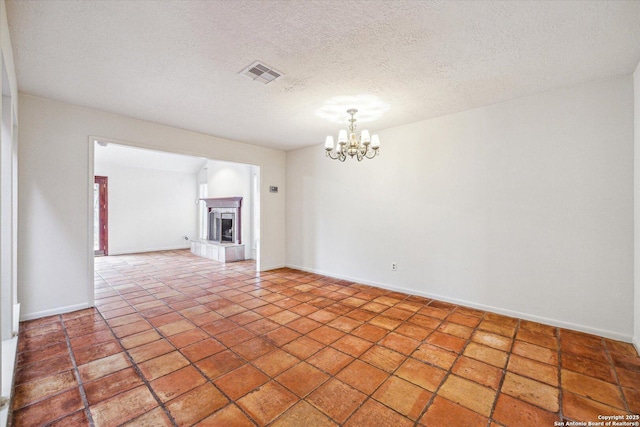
177, 62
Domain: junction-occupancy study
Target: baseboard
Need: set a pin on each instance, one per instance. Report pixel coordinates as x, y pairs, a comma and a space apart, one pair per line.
499, 310
272, 267
9, 354
140, 251
54, 311
636, 344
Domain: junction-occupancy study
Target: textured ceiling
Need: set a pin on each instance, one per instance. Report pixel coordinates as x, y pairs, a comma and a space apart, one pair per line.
177, 62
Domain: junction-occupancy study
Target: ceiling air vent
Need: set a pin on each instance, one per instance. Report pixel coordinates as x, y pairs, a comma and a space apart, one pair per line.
261, 73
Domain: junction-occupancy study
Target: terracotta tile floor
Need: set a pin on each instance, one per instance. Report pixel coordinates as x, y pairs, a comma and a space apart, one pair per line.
181, 340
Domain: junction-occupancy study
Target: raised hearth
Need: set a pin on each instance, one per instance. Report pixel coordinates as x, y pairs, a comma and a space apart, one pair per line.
223, 252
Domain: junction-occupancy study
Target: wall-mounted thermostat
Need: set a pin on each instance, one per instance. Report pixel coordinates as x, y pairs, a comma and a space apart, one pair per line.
273, 189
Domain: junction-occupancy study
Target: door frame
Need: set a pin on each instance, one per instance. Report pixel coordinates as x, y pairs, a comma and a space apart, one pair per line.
103, 215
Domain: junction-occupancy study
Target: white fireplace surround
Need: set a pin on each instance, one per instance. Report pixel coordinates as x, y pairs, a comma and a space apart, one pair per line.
220, 249
216, 207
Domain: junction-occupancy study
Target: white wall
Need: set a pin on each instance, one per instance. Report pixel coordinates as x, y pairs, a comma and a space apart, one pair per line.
636, 168
56, 175
9, 306
149, 210
7, 55
226, 179
7, 176
523, 207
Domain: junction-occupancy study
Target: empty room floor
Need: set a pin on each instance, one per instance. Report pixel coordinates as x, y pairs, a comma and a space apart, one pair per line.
177, 339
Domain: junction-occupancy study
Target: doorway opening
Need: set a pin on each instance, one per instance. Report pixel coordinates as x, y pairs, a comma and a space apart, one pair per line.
100, 216
155, 200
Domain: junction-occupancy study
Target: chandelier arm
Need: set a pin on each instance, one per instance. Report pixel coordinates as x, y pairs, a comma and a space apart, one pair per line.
331, 156
373, 154
365, 152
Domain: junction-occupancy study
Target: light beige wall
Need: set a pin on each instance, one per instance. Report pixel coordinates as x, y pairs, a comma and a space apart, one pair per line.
523, 207
55, 181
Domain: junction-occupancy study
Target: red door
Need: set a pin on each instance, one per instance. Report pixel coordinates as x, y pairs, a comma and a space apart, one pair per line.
100, 217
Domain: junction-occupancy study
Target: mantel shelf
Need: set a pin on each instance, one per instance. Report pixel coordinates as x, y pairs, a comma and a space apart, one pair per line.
224, 202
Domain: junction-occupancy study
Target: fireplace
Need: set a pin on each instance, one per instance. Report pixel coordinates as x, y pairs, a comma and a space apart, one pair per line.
224, 224
224, 238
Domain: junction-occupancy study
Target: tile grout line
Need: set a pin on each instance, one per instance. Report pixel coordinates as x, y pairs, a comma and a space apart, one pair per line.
615, 373
166, 338
449, 371
300, 399
367, 396
301, 361
408, 356
135, 365
370, 395
193, 364
271, 378
560, 390
211, 381
505, 370
330, 376
76, 372
444, 378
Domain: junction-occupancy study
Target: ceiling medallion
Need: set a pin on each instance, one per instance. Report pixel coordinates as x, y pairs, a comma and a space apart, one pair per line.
349, 144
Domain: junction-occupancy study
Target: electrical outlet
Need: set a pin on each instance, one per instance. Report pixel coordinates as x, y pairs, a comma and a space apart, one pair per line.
394, 266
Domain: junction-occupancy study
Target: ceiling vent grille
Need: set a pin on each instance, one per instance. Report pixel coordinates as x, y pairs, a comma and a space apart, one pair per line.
260, 72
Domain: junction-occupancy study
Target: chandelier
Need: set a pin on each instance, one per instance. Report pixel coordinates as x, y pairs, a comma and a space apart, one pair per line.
349, 144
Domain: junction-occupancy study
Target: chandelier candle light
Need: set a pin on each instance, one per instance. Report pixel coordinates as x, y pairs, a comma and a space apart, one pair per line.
350, 145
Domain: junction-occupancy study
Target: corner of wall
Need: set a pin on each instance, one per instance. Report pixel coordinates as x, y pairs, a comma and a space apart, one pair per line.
7, 53
636, 208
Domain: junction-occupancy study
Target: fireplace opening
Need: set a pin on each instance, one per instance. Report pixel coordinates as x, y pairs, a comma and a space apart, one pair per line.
226, 234
224, 220
221, 226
